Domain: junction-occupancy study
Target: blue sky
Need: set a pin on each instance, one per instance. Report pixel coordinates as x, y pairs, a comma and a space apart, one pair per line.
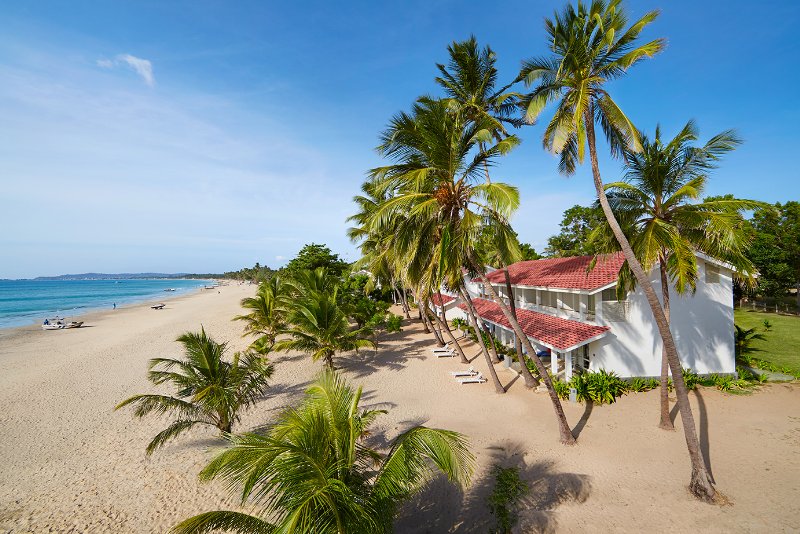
205, 136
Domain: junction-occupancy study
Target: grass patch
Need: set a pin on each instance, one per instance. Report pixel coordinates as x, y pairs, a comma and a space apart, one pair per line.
782, 346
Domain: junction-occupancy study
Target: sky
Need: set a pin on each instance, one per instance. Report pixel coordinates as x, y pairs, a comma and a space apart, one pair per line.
205, 136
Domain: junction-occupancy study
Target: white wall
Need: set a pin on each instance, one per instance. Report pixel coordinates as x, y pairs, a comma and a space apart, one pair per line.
702, 325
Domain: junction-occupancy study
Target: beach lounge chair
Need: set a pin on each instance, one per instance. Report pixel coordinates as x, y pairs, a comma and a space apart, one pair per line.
158, 307
469, 372
441, 349
448, 354
477, 379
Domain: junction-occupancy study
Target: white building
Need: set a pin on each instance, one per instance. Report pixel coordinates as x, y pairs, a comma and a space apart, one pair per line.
572, 314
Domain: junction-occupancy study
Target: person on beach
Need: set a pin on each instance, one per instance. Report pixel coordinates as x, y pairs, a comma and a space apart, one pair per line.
115, 305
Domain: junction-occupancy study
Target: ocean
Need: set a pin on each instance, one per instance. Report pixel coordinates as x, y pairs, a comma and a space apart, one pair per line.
24, 302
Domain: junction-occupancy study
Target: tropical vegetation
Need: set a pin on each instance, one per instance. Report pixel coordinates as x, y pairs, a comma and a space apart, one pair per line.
209, 389
313, 470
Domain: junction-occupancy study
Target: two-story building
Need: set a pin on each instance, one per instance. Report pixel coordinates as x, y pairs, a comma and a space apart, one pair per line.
572, 313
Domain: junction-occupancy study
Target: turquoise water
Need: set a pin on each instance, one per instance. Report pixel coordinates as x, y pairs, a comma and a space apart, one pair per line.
25, 302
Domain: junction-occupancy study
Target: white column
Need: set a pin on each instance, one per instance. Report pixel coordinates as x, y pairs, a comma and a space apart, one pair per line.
584, 305
553, 362
568, 366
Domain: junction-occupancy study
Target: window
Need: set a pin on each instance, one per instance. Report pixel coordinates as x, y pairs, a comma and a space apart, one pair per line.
712, 274
610, 294
549, 299
586, 361
590, 305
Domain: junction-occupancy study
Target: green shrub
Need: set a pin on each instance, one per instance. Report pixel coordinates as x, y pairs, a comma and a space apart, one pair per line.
601, 387
509, 488
561, 388
691, 379
394, 323
639, 385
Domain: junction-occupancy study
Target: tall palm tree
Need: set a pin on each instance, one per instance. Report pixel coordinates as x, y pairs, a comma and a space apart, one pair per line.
313, 471
318, 324
267, 315
469, 80
435, 180
591, 45
658, 206
210, 390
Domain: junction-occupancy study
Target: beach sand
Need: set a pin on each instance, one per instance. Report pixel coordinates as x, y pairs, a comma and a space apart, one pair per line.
72, 464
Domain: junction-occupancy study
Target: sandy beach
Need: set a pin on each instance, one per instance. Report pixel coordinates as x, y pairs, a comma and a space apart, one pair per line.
72, 464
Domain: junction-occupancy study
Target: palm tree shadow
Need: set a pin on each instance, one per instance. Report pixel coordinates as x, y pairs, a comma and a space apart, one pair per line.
587, 412
442, 507
705, 444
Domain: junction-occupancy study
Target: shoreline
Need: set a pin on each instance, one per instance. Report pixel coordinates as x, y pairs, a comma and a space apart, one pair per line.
87, 313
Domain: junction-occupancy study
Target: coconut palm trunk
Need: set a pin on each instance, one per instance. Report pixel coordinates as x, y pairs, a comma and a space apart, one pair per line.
436, 333
563, 427
700, 483
527, 376
666, 420
446, 328
423, 317
473, 318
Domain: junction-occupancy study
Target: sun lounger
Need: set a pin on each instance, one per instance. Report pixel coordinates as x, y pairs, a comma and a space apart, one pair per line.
158, 307
468, 372
447, 354
477, 379
441, 349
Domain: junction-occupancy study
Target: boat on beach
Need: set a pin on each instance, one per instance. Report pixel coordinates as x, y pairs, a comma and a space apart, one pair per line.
59, 323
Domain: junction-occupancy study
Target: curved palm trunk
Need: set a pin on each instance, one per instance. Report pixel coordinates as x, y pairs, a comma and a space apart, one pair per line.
563, 427
495, 359
530, 380
423, 318
473, 317
666, 420
436, 333
446, 328
700, 483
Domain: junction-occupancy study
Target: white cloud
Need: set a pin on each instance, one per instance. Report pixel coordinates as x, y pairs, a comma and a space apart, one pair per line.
143, 67
280, 258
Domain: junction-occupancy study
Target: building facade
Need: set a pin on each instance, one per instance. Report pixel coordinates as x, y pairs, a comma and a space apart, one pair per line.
572, 316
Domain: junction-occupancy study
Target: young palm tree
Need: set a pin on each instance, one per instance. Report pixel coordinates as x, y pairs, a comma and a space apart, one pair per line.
267, 317
210, 390
314, 472
318, 324
435, 181
657, 202
592, 45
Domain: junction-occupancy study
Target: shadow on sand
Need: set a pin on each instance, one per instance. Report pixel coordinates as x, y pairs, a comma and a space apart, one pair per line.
442, 507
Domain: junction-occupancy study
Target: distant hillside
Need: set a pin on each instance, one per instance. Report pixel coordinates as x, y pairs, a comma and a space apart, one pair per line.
122, 276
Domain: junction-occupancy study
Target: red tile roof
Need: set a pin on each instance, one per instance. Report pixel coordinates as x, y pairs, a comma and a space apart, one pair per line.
438, 299
563, 273
559, 333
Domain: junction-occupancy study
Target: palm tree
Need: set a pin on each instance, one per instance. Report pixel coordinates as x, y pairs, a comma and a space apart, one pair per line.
433, 181
313, 470
210, 390
657, 203
470, 80
318, 324
267, 317
591, 45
